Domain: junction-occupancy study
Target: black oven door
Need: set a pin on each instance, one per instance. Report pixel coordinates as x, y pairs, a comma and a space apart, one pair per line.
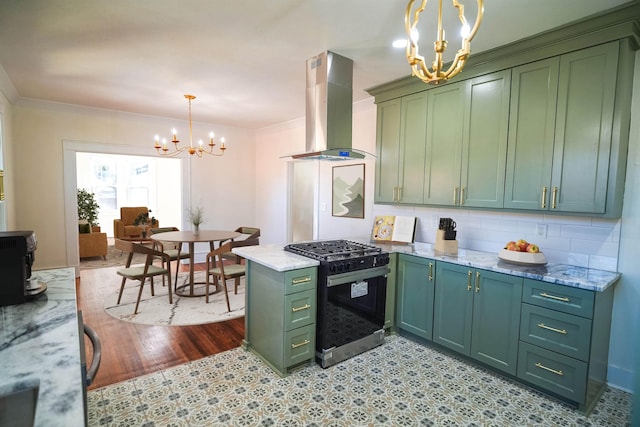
350, 306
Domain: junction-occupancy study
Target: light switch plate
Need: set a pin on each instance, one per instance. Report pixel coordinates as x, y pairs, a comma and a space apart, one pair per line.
541, 230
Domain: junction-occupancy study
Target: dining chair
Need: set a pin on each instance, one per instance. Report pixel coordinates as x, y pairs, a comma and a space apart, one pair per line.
142, 272
247, 233
173, 249
216, 268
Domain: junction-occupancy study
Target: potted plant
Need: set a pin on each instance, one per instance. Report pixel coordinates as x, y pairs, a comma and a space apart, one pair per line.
196, 217
143, 219
87, 209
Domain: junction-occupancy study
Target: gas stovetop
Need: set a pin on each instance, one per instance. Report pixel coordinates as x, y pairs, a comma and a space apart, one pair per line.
341, 255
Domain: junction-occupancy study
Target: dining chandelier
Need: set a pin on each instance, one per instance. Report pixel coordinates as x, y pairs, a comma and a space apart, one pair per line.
198, 150
419, 68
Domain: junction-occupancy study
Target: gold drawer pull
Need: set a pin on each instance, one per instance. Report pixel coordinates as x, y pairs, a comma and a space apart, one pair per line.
554, 196
430, 271
304, 307
544, 198
305, 342
469, 274
560, 331
477, 281
541, 366
546, 295
303, 280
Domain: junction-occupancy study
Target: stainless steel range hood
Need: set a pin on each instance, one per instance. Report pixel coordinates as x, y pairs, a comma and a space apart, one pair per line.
329, 103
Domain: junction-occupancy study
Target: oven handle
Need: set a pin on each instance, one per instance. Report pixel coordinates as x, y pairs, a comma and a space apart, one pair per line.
356, 276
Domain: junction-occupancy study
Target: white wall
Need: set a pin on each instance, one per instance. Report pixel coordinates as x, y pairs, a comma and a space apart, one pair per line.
224, 186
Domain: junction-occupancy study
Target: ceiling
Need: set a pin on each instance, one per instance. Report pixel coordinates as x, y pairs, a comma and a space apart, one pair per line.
244, 60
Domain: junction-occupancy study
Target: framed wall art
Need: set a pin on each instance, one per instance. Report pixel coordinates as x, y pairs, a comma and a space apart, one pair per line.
348, 191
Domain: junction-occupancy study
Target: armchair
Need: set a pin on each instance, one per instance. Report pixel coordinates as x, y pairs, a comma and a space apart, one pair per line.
123, 227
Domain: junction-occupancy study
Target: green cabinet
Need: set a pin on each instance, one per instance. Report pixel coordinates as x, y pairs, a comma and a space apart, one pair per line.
564, 340
467, 142
280, 322
477, 313
400, 166
390, 305
560, 132
415, 285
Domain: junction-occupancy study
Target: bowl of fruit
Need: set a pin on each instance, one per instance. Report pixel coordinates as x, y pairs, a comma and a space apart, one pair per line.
523, 253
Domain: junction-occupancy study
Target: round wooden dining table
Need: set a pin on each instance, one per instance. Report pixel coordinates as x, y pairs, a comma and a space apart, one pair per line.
191, 238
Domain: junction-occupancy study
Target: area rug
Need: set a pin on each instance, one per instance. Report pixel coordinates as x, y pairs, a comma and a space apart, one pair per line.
156, 310
115, 257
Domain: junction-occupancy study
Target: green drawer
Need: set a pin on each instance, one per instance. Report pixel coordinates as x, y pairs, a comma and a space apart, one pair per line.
299, 309
554, 372
560, 332
299, 345
557, 297
300, 280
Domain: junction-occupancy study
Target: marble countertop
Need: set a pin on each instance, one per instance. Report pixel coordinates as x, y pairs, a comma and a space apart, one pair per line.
274, 257
40, 342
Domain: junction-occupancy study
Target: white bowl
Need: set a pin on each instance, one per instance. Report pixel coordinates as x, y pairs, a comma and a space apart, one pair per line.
522, 258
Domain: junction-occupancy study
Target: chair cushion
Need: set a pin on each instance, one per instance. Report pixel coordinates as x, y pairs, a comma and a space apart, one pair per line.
230, 270
138, 271
173, 253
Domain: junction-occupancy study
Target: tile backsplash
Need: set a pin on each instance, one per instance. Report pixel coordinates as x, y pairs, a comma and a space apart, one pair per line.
582, 241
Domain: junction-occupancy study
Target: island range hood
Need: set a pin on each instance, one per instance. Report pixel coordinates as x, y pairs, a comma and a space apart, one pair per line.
329, 104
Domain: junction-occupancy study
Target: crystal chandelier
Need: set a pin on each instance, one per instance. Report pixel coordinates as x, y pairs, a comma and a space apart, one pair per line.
198, 150
418, 66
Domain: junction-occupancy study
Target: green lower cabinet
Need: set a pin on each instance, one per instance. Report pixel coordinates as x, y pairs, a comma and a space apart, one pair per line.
554, 372
477, 313
415, 280
280, 323
390, 306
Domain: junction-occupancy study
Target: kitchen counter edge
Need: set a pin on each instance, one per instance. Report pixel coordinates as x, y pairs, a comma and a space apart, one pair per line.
274, 257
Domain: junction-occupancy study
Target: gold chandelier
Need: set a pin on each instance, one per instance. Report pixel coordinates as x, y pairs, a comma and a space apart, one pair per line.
199, 150
437, 74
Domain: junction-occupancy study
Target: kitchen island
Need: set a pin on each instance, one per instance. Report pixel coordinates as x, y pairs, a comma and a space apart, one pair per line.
40, 345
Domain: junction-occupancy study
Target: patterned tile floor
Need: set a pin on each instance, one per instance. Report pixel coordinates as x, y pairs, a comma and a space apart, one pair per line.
400, 383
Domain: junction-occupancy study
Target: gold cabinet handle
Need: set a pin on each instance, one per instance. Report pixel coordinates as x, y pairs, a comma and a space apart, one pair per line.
304, 307
544, 197
560, 331
305, 342
302, 280
399, 194
430, 271
554, 196
455, 195
394, 194
462, 196
477, 281
546, 295
541, 366
469, 274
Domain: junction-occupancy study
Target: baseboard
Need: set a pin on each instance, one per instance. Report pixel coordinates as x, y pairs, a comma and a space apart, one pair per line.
620, 378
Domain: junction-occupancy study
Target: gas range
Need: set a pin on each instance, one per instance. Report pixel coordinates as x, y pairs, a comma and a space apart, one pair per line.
341, 256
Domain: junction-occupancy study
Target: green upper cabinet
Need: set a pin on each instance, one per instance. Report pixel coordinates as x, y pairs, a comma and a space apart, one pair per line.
532, 121
388, 150
560, 134
401, 149
467, 142
586, 95
485, 141
444, 143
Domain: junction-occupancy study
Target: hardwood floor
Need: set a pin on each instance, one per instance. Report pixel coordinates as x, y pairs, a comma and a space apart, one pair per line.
130, 350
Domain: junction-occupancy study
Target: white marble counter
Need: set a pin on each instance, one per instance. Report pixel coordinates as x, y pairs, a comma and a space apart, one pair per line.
275, 257
39, 340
